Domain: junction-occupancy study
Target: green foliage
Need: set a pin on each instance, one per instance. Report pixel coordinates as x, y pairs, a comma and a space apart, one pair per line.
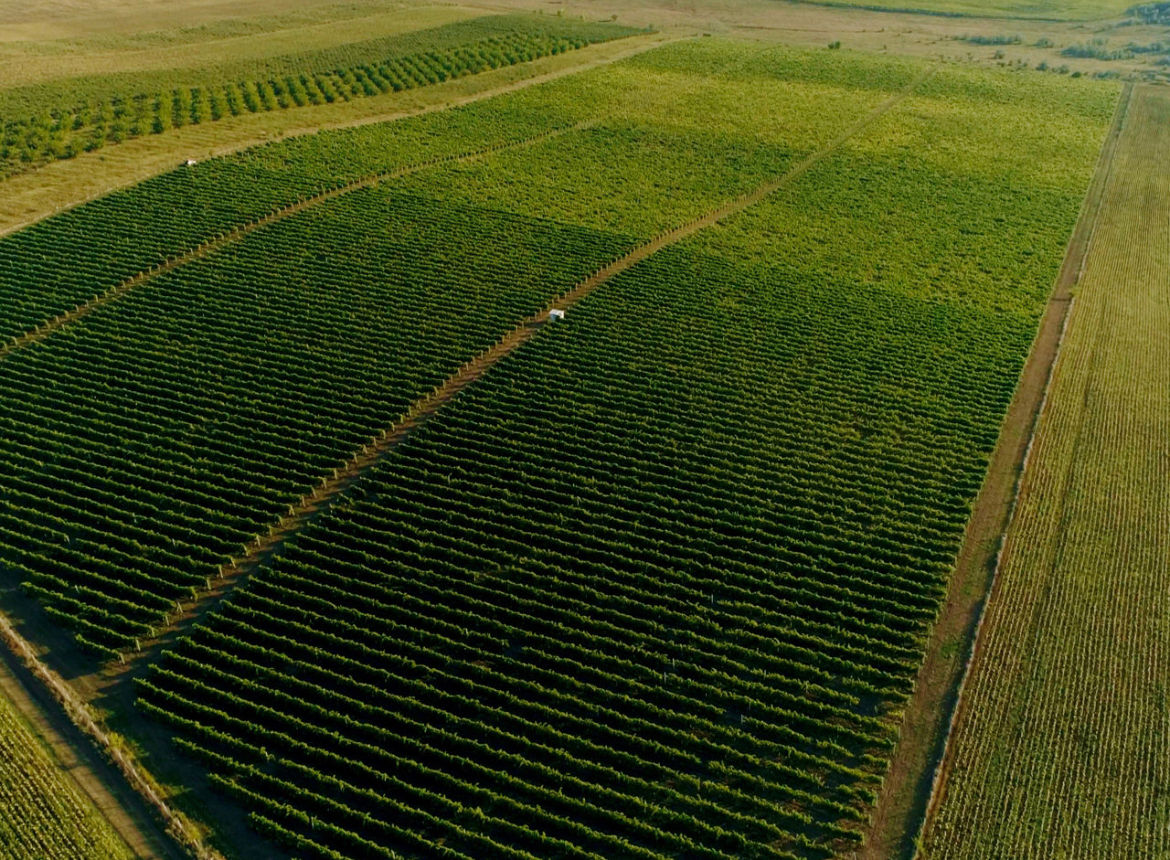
289, 350
651, 586
1097, 49
43, 813
355, 71
1151, 13
992, 40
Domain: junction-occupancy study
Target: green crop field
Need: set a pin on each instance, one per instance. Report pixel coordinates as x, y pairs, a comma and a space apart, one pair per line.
43, 813
658, 582
1060, 749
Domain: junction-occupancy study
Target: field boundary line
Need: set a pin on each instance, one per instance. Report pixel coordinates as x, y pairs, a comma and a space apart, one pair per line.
917, 772
210, 246
22, 657
264, 546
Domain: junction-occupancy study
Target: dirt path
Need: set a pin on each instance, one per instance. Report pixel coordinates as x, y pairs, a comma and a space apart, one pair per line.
55, 187
47, 328
919, 764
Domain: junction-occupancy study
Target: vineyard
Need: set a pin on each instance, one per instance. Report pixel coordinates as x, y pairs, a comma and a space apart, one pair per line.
119, 110
658, 583
42, 812
231, 425
1059, 748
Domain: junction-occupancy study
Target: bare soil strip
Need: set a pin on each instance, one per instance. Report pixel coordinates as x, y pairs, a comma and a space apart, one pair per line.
113, 686
47, 328
919, 764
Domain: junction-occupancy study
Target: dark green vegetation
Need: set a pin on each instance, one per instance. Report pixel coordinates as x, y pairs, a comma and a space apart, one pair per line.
218, 394
1150, 13
651, 587
59, 119
658, 583
165, 217
239, 415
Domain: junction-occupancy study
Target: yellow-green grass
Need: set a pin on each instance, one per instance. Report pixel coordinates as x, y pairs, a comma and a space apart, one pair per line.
78, 19
43, 813
1061, 748
61, 184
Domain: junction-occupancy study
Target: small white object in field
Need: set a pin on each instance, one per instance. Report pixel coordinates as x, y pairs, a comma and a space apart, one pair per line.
556, 314
191, 162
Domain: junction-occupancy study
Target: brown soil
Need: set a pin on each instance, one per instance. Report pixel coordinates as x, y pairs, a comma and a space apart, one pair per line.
919, 764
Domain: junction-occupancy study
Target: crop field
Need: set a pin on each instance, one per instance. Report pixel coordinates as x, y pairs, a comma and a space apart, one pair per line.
59, 119
655, 585
1060, 748
189, 440
42, 812
658, 580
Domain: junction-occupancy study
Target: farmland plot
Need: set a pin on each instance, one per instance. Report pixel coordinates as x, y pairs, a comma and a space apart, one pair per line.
659, 583
162, 431
1059, 747
60, 119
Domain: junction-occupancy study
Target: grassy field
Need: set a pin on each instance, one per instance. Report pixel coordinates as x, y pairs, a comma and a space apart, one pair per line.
766, 440
43, 813
1047, 10
217, 43
1060, 748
